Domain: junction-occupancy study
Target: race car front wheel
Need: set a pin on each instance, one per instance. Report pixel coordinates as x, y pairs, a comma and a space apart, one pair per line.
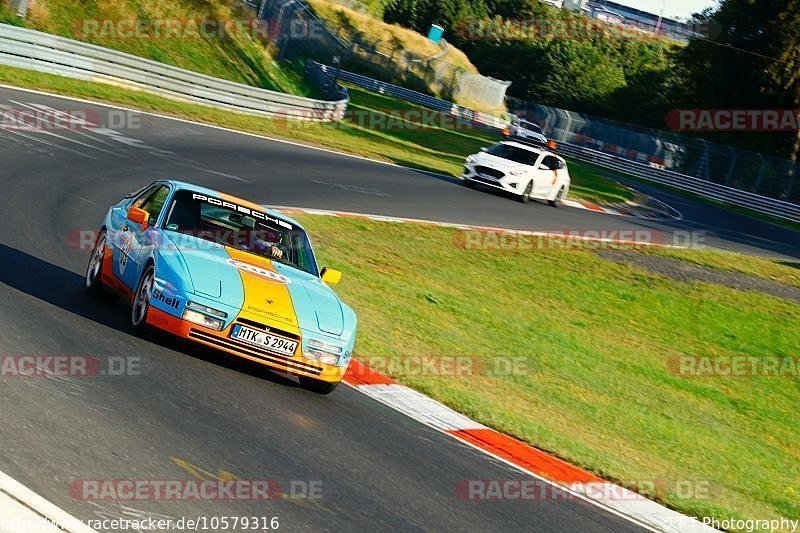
525, 197
141, 301
94, 271
317, 386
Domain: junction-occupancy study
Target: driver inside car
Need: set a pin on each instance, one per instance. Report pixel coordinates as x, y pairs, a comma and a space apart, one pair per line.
263, 241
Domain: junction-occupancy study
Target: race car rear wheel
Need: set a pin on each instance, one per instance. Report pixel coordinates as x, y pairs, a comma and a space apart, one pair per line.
94, 271
141, 301
525, 197
317, 386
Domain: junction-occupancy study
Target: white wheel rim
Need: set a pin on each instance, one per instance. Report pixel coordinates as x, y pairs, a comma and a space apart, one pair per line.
96, 262
142, 300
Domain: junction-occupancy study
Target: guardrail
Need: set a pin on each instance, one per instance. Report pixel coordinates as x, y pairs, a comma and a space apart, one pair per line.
43, 52
707, 189
422, 99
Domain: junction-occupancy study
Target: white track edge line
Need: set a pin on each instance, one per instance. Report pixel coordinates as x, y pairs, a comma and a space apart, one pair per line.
40, 506
456, 225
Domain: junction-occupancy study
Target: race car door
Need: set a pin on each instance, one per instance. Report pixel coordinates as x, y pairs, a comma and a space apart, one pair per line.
133, 242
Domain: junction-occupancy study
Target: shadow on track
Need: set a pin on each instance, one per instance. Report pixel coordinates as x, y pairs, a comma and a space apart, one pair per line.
64, 289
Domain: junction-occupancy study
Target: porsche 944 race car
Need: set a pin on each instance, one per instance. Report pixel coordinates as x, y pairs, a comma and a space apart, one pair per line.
226, 273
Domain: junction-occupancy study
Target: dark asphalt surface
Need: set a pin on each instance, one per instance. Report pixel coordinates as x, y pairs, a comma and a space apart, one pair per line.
379, 469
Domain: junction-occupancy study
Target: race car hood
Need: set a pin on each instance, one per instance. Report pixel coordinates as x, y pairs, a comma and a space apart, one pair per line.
262, 290
492, 161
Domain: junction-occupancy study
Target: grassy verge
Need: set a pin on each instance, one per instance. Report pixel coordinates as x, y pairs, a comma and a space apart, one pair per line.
378, 126
595, 338
233, 55
587, 182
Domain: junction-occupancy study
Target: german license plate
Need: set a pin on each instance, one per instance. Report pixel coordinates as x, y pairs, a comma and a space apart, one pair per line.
264, 340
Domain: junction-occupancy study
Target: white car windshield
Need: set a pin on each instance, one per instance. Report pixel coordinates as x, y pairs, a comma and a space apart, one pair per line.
514, 153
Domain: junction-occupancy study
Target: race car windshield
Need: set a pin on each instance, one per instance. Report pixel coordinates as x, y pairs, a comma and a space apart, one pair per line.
240, 227
514, 153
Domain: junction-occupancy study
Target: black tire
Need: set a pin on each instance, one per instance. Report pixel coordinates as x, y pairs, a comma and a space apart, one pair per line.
469, 183
559, 196
525, 197
93, 281
316, 386
141, 301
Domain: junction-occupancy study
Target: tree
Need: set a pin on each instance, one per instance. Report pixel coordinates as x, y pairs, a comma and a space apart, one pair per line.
752, 63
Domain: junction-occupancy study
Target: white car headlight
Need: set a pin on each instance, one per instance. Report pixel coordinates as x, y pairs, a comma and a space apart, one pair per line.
470, 159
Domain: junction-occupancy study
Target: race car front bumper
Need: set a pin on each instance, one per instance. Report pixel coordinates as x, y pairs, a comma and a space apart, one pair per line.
223, 341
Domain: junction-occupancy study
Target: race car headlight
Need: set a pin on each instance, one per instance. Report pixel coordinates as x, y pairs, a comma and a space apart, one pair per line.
197, 317
323, 352
210, 310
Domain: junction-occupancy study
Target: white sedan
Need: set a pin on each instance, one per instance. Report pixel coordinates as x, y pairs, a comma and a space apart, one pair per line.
526, 171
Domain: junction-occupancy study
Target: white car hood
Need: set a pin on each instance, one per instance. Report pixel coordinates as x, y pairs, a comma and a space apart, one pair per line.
492, 161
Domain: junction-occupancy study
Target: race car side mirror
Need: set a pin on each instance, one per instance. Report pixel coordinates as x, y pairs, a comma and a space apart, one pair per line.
139, 216
331, 276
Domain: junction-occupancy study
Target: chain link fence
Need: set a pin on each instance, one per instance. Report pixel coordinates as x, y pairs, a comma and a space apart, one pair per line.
725, 165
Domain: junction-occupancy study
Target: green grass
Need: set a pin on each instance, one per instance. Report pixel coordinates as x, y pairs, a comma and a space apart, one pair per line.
378, 127
595, 338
